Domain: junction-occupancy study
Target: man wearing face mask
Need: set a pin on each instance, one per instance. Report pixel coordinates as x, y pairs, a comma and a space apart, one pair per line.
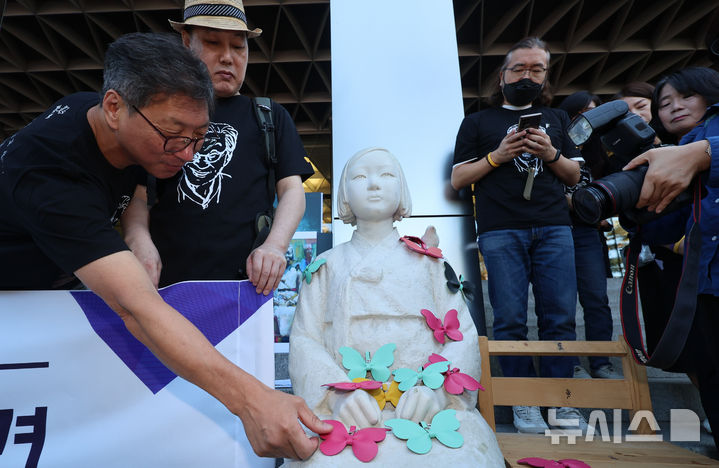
523, 219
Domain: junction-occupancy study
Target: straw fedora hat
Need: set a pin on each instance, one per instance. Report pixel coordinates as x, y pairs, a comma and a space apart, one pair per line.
218, 14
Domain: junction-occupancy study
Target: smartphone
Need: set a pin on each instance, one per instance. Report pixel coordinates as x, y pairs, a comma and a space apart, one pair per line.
529, 121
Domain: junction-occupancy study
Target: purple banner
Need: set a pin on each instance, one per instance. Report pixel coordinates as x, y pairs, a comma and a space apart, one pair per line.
215, 308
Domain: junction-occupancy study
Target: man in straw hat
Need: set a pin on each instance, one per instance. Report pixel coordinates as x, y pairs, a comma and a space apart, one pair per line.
204, 221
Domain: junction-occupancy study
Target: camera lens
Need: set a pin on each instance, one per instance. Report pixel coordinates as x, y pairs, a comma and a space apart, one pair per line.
609, 195
592, 204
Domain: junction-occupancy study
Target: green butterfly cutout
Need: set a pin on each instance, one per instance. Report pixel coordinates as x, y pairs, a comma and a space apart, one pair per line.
313, 267
419, 436
378, 365
431, 376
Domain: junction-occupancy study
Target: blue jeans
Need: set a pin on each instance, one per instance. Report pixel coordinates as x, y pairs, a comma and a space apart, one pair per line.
544, 257
592, 288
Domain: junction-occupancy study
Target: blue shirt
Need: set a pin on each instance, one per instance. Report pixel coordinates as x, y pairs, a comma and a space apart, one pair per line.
668, 228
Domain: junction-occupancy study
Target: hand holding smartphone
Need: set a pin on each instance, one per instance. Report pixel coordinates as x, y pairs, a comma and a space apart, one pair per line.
529, 121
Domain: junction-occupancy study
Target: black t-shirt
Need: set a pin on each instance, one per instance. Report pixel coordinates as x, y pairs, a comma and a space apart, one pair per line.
59, 198
203, 221
499, 203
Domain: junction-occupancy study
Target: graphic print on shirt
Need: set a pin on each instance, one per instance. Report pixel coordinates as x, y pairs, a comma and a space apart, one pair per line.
121, 207
526, 160
201, 179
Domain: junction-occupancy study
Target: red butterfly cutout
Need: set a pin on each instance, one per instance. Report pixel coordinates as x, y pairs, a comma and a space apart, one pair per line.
416, 244
363, 441
364, 385
450, 327
455, 381
544, 463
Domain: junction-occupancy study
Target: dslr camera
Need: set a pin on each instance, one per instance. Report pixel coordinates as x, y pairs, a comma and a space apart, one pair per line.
626, 135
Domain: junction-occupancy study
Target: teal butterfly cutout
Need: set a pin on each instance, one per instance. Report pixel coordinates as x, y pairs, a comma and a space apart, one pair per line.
378, 365
419, 436
313, 267
431, 376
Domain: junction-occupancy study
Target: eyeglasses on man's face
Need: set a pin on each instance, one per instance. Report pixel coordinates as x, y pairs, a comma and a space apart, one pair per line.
175, 144
519, 71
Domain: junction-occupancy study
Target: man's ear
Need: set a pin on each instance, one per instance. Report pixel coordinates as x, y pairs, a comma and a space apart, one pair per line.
186, 38
112, 105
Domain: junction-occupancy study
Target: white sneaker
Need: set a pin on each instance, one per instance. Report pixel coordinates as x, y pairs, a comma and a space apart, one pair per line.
606, 372
529, 419
581, 373
706, 426
569, 418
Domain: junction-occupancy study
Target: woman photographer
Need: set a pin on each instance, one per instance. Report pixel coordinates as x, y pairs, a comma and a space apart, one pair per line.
687, 103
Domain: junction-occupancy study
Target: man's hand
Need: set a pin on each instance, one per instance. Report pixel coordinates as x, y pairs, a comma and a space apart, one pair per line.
271, 420
511, 146
538, 143
671, 170
146, 252
136, 231
265, 266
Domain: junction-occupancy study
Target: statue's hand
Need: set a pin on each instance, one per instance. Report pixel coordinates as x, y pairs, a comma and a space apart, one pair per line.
355, 408
421, 403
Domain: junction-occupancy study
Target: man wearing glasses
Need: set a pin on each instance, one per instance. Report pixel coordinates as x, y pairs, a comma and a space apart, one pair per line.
64, 181
203, 224
523, 220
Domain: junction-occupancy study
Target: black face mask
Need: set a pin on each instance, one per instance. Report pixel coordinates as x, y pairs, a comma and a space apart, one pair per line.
522, 92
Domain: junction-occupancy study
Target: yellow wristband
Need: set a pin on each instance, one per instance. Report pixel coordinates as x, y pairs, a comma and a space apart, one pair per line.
490, 160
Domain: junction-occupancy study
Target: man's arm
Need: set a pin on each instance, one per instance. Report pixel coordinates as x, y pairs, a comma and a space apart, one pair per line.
135, 223
266, 264
464, 174
671, 170
270, 418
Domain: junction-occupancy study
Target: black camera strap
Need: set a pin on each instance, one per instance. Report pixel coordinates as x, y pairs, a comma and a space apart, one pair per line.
674, 337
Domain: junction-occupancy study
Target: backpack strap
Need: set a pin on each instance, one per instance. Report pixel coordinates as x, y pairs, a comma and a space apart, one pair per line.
263, 112
263, 220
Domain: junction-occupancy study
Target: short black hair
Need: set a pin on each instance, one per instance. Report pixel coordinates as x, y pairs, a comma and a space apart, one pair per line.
692, 80
143, 67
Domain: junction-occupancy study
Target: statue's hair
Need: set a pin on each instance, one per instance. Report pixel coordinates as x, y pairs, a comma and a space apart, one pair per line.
344, 211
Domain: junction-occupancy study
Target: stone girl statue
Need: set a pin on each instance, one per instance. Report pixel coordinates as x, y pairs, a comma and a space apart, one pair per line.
369, 293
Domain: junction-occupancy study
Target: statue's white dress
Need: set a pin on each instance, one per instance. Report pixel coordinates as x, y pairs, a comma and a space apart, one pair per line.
364, 297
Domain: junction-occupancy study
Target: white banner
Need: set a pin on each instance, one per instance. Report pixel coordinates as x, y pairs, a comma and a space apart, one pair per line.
76, 389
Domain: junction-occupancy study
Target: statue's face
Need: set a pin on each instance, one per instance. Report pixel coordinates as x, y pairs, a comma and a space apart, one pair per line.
373, 187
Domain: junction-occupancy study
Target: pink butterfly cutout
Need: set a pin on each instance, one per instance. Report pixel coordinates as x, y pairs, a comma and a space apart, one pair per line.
450, 327
455, 381
416, 244
364, 385
363, 441
544, 463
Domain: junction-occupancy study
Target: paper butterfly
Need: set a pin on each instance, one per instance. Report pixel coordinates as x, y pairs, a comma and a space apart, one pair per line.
458, 284
364, 384
378, 365
544, 463
383, 394
431, 376
419, 436
416, 244
455, 381
363, 441
313, 267
450, 327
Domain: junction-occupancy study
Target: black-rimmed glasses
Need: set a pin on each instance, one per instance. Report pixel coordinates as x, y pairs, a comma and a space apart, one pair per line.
175, 144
